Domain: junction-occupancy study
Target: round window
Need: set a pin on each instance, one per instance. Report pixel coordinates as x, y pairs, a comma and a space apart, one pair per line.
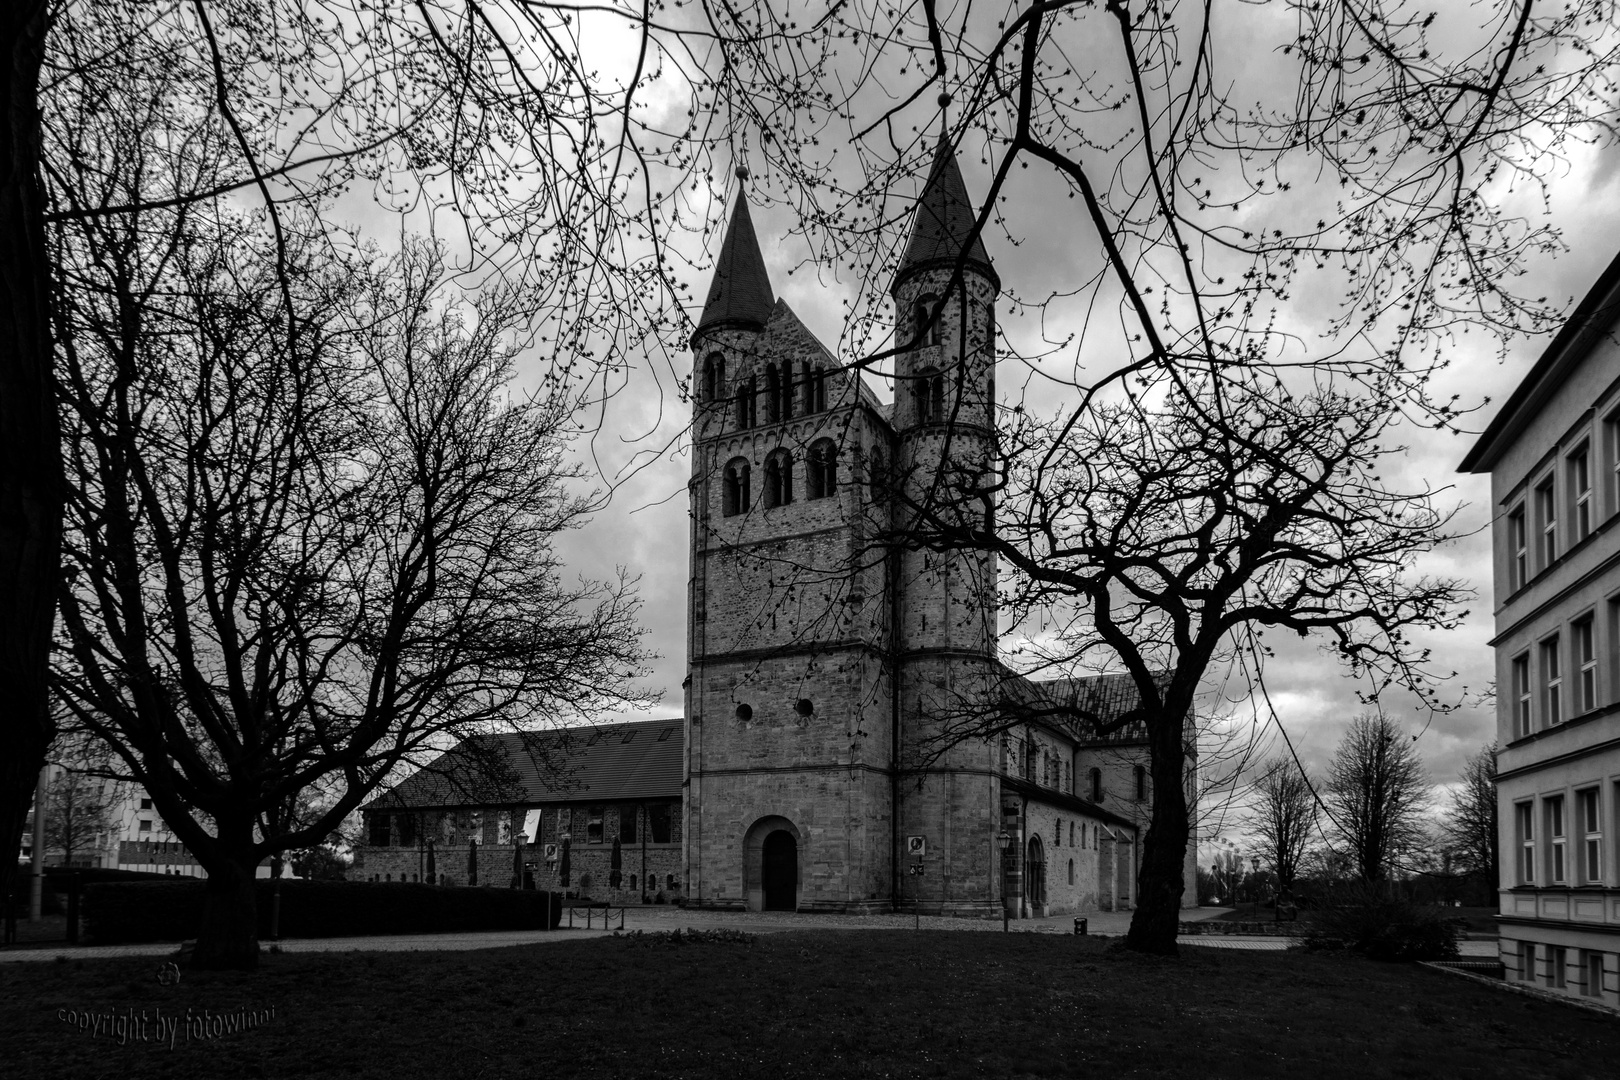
745, 711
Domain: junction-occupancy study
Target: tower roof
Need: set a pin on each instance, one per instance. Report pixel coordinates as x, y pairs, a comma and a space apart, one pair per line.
740, 293
943, 222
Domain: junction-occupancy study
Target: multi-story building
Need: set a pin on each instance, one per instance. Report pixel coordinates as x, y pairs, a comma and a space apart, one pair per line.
1553, 452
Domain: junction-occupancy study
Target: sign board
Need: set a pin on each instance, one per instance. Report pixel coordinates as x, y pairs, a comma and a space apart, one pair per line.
551, 853
917, 846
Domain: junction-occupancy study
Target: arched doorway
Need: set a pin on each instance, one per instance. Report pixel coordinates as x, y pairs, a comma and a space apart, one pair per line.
779, 871
1035, 876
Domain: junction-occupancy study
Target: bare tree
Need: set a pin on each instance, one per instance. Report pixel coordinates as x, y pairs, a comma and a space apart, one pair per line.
1470, 824
1377, 794
84, 795
1283, 820
309, 547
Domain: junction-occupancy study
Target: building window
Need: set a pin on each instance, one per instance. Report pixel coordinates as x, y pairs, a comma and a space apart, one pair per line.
593, 825
925, 329
1557, 957
1611, 428
146, 825
1592, 973
822, 469
1141, 783
1553, 672
1071, 871
407, 830
1057, 834
658, 823
1555, 836
1071, 839
734, 489
1527, 961
1068, 777
146, 804
714, 377
1525, 814
1521, 694
773, 394
746, 415
627, 828
1586, 805
1519, 544
778, 479
928, 387
1096, 785
379, 830
1580, 493
1547, 525
1586, 661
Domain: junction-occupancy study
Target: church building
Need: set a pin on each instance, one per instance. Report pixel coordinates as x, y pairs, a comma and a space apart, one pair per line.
850, 742
832, 664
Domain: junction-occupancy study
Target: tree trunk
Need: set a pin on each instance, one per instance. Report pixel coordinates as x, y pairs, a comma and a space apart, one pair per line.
229, 936
30, 451
1159, 889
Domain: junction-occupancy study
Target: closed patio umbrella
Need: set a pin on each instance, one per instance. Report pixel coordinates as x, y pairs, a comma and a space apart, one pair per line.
432, 865
614, 865
563, 865
472, 862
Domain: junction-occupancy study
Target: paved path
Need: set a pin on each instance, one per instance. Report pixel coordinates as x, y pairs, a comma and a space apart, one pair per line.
1102, 924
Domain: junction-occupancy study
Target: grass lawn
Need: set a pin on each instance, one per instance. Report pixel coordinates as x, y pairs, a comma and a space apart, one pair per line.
818, 1004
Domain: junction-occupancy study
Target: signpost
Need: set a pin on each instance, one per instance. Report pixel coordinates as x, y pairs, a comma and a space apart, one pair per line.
916, 847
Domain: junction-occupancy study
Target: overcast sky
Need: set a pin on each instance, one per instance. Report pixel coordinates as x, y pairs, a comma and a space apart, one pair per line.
645, 526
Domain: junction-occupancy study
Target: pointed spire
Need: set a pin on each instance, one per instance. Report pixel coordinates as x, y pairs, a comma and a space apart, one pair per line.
740, 294
943, 222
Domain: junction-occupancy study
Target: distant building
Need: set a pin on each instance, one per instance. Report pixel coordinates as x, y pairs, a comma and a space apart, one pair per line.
1553, 452
588, 787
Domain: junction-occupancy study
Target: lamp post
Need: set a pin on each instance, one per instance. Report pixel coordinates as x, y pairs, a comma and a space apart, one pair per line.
1006, 842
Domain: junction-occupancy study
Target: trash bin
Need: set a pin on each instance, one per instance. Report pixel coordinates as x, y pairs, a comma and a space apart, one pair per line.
1080, 926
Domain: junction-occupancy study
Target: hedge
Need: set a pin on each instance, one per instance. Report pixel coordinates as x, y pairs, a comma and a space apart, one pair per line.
116, 913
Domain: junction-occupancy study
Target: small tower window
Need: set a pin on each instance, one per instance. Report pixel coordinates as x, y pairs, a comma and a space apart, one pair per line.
778, 479
878, 474
823, 469
714, 377
1096, 785
1141, 783
734, 488
746, 415
818, 391
926, 332
773, 394
929, 388
784, 392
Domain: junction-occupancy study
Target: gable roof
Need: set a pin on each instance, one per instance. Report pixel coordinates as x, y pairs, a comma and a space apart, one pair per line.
740, 293
1596, 313
943, 223
609, 763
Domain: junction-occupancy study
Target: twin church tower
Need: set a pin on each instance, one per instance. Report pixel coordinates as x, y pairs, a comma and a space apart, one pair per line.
829, 653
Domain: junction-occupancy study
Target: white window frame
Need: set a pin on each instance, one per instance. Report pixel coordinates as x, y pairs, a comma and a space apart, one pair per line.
1527, 961
1523, 695
1552, 681
1585, 644
1525, 813
1557, 966
1557, 830
1519, 545
1592, 967
1611, 427
1579, 468
1589, 811
1546, 504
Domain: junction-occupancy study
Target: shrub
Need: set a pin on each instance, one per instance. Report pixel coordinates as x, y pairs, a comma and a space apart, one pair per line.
171, 910
1384, 928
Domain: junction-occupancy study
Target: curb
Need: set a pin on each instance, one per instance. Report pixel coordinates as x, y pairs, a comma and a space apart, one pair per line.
1534, 992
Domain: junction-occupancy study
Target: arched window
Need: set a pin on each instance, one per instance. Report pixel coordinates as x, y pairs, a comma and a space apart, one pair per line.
927, 332
785, 392
778, 479
714, 377
746, 416
1141, 783
822, 467
929, 389
633, 882
807, 381
734, 488
818, 391
1071, 871
1096, 785
669, 882
877, 474
773, 394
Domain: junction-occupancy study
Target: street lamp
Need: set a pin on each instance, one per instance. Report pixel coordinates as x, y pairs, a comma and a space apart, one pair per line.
1006, 842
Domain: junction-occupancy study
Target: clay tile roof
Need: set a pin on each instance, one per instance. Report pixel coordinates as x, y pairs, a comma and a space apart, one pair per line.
610, 763
943, 222
740, 293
